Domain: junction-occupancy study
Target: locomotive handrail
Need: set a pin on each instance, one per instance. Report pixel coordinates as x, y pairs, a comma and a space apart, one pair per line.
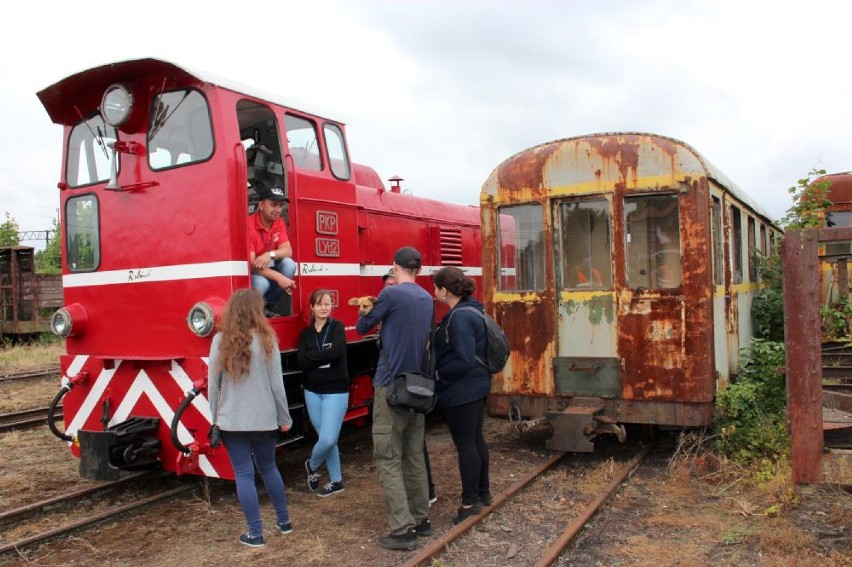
51, 410
190, 395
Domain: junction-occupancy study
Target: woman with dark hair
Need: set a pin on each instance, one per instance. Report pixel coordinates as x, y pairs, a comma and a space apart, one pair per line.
322, 358
463, 383
248, 403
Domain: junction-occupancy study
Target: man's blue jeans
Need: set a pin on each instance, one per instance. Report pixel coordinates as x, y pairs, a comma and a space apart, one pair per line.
270, 290
241, 447
326, 412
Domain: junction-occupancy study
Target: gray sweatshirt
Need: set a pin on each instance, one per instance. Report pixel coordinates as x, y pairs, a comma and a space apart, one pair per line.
256, 402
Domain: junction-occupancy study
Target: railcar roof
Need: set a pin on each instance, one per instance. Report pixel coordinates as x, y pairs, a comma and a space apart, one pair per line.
55, 97
712, 171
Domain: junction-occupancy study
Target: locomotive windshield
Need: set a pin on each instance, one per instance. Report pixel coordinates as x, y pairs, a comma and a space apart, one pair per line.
88, 157
179, 130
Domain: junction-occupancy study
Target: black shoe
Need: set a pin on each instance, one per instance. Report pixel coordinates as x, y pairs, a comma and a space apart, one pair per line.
432, 496
285, 527
313, 476
465, 513
246, 539
486, 499
423, 529
404, 541
269, 313
330, 488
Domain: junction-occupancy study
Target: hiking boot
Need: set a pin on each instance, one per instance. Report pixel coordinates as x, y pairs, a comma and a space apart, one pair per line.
330, 488
285, 527
432, 496
404, 541
246, 539
486, 499
465, 513
313, 476
423, 529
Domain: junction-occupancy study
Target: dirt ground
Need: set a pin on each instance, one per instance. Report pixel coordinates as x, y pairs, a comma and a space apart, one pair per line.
692, 513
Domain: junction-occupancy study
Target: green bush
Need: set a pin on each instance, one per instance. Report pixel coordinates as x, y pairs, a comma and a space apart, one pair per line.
751, 412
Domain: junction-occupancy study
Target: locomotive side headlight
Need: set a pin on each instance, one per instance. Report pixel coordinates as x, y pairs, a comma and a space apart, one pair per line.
116, 105
202, 316
69, 321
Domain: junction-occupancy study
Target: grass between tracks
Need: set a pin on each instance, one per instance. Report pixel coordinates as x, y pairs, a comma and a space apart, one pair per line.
41, 353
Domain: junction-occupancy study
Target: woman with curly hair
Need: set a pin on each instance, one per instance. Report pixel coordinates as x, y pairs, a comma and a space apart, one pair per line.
248, 402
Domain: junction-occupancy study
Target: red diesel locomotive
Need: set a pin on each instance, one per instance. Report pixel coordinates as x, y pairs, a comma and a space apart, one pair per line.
161, 167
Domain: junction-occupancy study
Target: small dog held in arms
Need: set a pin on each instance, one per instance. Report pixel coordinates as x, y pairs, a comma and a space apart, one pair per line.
365, 304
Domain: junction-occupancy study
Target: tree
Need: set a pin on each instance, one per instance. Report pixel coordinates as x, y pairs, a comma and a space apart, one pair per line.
9, 232
49, 260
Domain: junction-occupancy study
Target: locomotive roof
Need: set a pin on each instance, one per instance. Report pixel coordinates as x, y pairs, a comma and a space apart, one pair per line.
712, 171
57, 97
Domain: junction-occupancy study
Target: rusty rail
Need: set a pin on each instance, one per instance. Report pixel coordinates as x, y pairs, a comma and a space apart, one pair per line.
435, 547
551, 554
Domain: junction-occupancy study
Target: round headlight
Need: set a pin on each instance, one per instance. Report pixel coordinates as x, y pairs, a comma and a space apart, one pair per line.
116, 105
60, 323
201, 319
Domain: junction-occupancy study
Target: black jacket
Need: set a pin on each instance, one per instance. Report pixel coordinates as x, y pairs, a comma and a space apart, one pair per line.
461, 378
316, 350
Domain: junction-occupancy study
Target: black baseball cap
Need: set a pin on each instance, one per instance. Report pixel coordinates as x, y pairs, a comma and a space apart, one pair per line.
407, 257
272, 193
390, 274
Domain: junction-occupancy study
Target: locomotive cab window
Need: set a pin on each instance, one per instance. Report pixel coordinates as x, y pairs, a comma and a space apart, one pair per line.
179, 130
302, 141
88, 152
521, 248
82, 233
583, 248
652, 247
264, 158
335, 145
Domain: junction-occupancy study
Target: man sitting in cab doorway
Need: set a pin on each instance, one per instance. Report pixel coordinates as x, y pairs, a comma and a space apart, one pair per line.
271, 255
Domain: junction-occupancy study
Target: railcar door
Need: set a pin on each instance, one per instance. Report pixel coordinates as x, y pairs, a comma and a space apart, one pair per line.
665, 306
586, 361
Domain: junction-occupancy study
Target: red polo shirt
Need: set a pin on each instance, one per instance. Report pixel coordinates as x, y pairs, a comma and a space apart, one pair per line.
262, 239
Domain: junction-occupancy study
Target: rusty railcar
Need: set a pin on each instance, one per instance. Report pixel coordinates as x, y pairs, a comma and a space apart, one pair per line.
26, 297
836, 256
622, 267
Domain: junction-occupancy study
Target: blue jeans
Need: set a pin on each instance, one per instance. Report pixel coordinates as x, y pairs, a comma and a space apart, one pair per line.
326, 412
241, 445
270, 290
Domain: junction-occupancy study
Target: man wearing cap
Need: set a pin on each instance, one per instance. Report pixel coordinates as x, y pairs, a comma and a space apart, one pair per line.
270, 256
406, 313
389, 278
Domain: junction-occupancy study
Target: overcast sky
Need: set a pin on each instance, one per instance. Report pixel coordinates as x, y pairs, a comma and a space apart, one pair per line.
441, 92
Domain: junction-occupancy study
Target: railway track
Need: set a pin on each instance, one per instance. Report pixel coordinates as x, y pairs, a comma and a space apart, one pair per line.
26, 418
38, 373
96, 503
579, 518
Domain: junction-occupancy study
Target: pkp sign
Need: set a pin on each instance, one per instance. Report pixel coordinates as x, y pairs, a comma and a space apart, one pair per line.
326, 222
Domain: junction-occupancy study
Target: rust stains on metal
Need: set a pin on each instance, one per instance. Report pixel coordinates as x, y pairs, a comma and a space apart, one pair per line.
523, 174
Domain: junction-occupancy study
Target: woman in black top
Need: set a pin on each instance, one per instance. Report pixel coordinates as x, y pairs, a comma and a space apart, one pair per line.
322, 359
463, 383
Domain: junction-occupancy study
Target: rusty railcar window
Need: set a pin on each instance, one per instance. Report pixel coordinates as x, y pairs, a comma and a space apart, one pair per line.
736, 245
584, 248
716, 235
179, 129
521, 247
82, 233
752, 248
652, 247
838, 219
88, 158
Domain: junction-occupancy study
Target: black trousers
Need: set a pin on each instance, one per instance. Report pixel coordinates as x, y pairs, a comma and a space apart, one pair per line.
465, 422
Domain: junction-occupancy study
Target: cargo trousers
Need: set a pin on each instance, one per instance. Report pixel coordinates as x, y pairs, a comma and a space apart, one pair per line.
398, 454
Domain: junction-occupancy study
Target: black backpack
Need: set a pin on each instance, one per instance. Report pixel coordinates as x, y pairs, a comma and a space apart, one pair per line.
496, 343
